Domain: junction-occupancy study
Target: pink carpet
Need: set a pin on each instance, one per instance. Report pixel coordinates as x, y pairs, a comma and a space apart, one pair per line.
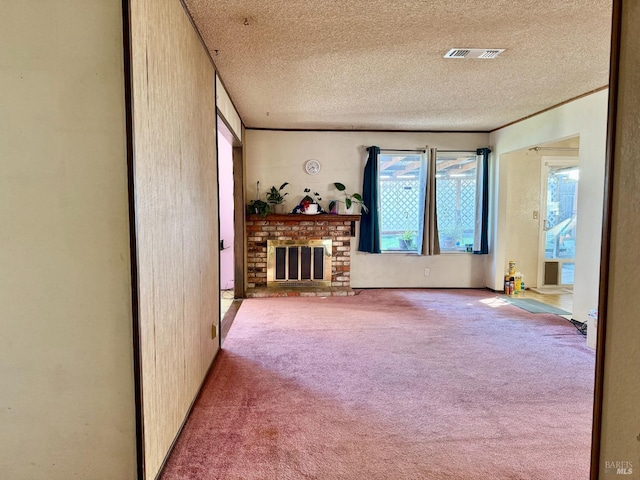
392, 384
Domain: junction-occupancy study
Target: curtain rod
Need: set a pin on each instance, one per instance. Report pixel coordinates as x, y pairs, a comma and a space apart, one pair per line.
456, 151
402, 150
537, 149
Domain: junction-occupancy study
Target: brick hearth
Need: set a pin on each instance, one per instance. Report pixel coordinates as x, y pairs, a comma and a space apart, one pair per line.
337, 228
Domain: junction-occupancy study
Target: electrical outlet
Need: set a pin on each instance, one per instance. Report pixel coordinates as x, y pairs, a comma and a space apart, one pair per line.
214, 331
427, 271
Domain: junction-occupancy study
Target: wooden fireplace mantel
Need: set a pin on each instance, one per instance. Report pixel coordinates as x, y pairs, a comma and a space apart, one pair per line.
300, 217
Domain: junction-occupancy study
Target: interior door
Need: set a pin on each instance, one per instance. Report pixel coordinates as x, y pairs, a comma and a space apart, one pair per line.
559, 201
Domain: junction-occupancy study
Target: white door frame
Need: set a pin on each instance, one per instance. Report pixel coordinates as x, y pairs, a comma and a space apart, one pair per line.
545, 162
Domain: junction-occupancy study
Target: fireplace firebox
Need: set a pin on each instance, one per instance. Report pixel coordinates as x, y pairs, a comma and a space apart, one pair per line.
299, 263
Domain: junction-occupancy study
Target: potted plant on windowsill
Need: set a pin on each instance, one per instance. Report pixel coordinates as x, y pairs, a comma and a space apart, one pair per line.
275, 197
350, 199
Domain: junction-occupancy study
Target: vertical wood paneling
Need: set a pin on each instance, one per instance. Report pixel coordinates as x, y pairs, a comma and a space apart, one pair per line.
177, 224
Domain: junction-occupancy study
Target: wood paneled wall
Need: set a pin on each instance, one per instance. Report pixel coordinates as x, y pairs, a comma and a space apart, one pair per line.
176, 216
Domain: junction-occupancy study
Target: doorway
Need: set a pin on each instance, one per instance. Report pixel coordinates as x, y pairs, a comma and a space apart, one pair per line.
227, 216
231, 215
559, 201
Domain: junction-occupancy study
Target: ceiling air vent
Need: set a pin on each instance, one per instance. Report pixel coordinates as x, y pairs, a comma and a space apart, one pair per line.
457, 53
474, 52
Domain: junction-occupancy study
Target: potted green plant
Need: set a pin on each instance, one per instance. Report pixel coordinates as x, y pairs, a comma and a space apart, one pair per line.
350, 198
275, 197
408, 240
258, 207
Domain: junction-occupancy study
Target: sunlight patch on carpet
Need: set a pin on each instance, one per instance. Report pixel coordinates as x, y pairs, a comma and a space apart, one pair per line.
494, 302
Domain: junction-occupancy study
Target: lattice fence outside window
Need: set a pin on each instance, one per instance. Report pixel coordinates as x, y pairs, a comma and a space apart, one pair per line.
456, 208
399, 200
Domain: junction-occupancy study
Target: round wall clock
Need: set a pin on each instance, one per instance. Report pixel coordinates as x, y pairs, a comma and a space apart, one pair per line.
312, 167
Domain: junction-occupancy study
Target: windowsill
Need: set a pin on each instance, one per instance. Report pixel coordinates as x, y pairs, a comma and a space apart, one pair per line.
399, 252
406, 252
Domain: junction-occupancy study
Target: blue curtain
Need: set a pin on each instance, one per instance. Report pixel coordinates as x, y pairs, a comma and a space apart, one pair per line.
369, 222
481, 244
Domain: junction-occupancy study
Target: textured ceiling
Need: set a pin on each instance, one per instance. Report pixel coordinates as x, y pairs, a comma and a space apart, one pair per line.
378, 64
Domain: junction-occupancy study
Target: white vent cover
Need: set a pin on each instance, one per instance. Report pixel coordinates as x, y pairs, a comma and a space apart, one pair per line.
474, 52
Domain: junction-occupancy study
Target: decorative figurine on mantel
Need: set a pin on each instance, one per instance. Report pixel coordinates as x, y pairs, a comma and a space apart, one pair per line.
309, 205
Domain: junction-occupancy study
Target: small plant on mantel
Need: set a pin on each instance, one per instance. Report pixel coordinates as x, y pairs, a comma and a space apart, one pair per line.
350, 198
275, 197
258, 207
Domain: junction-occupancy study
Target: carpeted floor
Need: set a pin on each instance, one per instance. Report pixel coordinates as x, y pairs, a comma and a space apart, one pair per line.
392, 384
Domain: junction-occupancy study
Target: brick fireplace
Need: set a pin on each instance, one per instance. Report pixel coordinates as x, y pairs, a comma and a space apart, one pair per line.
297, 227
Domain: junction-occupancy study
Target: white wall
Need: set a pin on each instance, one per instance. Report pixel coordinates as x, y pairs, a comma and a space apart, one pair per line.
523, 191
227, 110
586, 117
275, 157
66, 361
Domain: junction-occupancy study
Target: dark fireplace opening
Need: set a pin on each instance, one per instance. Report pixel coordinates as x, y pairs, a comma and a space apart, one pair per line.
299, 263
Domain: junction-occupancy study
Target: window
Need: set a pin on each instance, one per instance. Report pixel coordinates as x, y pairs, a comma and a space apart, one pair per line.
456, 200
402, 190
442, 197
